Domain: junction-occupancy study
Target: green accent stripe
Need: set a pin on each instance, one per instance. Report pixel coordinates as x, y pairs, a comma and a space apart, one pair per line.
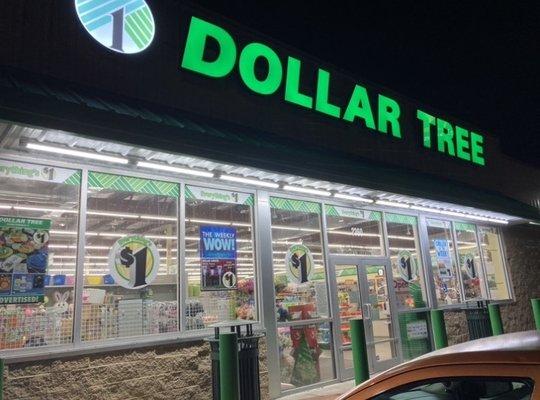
132, 184
74, 179
250, 201
189, 194
463, 226
295, 205
400, 219
139, 27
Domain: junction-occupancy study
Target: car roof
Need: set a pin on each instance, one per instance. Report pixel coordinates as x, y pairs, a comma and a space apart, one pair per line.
520, 348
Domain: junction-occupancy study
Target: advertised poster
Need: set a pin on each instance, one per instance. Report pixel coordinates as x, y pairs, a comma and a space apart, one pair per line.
417, 330
134, 262
299, 264
218, 258
444, 261
24, 256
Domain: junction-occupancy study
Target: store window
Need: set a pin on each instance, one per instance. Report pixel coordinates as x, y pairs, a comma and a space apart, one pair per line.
220, 257
39, 210
130, 266
408, 274
470, 265
306, 355
299, 272
443, 262
494, 262
354, 232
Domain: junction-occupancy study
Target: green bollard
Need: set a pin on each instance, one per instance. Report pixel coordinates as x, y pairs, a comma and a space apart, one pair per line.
359, 349
229, 379
495, 319
536, 312
439, 329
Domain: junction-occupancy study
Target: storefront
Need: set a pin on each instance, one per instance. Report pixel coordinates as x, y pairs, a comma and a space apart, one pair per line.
138, 212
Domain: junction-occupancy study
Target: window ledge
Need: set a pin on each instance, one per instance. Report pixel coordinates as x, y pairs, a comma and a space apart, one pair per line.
73, 350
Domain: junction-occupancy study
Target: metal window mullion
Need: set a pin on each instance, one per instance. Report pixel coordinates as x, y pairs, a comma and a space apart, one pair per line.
507, 274
182, 278
79, 270
482, 263
426, 257
453, 232
331, 289
267, 291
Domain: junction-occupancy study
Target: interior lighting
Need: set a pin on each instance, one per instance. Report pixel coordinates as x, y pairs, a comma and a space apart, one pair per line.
460, 215
77, 153
392, 204
249, 181
300, 189
352, 198
179, 170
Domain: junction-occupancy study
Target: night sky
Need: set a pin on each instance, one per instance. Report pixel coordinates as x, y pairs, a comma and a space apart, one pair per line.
478, 60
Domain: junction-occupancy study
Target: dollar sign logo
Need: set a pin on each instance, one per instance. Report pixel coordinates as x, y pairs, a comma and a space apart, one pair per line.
126, 257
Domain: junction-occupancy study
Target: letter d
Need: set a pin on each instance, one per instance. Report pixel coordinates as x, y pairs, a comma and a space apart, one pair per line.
193, 59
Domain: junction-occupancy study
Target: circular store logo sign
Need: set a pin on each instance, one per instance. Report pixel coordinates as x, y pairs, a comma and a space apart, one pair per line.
468, 264
299, 263
407, 266
134, 262
124, 26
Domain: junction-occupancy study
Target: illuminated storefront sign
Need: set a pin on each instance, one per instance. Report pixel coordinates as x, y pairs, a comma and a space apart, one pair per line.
385, 116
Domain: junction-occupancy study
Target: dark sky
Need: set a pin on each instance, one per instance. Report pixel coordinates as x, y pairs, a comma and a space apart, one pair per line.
476, 60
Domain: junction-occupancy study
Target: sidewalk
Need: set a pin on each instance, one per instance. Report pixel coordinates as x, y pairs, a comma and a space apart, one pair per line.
329, 392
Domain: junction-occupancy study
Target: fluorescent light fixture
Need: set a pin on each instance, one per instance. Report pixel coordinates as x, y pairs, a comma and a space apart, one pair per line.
179, 170
460, 215
392, 204
45, 209
125, 215
300, 189
534, 223
216, 222
352, 198
249, 181
77, 153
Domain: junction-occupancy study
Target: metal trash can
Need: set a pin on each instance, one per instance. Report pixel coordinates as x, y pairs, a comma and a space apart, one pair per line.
248, 360
478, 320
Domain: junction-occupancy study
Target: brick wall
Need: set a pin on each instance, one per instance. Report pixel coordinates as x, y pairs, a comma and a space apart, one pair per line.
164, 372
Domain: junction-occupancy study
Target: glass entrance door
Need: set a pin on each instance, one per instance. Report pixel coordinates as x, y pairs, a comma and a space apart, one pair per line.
363, 291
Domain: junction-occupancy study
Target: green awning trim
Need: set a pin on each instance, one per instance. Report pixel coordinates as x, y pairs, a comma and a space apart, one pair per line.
345, 212
400, 219
295, 205
462, 226
131, 184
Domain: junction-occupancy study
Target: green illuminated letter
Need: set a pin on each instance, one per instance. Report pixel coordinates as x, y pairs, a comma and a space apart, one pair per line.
249, 57
389, 114
462, 143
321, 100
427, 121
193, 59
359, 107
292, 85
445, 137
477, 148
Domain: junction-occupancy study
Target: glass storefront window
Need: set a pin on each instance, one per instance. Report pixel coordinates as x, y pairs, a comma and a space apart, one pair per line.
212, 297
130, 266
469, 261
34, 261
493, 260
408, 274
305, 355
355, 232
299, 271
414, 331
443, 264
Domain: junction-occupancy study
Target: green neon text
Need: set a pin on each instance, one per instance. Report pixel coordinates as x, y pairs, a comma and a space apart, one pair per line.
265, 72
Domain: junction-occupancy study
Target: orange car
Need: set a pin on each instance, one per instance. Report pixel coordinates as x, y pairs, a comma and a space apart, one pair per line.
505, 367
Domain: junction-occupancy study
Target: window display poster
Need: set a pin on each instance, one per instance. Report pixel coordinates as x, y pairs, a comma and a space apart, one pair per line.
444, 261
218, 258
417, 330
23, 259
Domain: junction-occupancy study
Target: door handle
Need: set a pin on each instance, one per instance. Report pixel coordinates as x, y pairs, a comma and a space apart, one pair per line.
367, 311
